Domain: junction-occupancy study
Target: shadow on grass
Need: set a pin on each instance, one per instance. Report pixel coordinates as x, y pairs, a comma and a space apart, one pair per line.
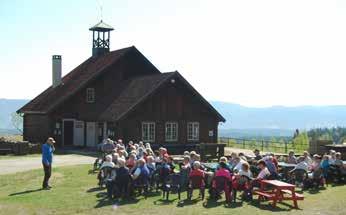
94, 189
315, 190
164, 201
187, 202
26, 192
212, 203
153, 194
234, 205
269, 207
103, 201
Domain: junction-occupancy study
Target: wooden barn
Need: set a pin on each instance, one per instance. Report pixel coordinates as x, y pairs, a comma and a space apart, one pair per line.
118, 94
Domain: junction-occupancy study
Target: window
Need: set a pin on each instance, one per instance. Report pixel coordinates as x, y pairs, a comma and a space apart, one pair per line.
90, 95
193, 131
148, 131
171, 131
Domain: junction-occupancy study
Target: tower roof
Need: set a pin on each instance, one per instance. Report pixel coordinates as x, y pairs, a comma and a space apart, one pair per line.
101, 26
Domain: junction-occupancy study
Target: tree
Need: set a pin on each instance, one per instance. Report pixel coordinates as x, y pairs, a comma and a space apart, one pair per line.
17, 121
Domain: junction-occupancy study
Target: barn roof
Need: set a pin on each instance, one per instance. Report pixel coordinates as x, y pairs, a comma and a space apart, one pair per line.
135, 92
73, 81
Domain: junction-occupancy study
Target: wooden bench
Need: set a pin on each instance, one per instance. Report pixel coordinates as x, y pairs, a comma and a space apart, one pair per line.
298, 195
262, 194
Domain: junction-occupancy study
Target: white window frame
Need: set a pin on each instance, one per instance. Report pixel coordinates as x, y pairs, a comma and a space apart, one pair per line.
90, 95
169, 133
193, 135
147, 128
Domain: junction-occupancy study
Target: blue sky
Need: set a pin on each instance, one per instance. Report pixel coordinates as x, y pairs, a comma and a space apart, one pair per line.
256, 53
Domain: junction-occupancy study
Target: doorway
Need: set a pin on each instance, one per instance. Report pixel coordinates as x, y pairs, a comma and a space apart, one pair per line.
68, 132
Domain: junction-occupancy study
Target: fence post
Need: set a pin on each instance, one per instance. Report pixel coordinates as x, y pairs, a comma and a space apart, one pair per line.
243, 144
262, 145
285, 147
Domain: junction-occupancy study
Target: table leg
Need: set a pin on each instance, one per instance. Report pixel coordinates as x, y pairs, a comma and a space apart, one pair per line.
294, 198
276, 196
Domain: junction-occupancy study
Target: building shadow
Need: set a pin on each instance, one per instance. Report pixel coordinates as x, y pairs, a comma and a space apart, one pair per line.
25, 192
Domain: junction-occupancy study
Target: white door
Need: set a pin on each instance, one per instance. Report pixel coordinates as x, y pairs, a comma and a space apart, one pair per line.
91, 134
78, 137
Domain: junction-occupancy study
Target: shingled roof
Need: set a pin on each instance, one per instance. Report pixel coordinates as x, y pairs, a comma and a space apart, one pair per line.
135, 92
72, 82
141, 88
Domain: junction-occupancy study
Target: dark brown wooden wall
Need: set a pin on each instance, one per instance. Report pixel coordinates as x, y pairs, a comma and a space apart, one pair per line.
37, 128
173, 102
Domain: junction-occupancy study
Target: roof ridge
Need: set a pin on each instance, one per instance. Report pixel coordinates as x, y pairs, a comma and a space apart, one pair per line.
76, 72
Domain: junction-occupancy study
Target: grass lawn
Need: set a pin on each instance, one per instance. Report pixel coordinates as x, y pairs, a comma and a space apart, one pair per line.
75, 192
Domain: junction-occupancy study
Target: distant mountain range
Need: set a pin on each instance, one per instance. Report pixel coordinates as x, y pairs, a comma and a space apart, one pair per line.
241, 121
279, 117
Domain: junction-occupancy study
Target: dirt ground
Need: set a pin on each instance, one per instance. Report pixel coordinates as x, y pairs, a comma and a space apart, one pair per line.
20, 164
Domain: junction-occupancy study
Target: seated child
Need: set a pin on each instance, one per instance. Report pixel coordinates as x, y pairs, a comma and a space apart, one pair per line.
185, 169
264, 172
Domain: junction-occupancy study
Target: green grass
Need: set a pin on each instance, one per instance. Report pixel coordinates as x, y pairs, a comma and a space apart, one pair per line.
75, 192
275, 147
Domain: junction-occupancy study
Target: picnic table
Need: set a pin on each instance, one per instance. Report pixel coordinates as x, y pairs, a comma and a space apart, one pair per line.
277, 191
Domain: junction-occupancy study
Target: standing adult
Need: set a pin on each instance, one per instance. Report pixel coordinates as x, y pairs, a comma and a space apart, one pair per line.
47, 159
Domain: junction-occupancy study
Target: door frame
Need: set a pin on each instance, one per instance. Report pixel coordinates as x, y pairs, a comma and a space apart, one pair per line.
63, 130
95, 133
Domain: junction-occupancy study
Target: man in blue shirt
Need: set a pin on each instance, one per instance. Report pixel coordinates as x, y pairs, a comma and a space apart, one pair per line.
47, 159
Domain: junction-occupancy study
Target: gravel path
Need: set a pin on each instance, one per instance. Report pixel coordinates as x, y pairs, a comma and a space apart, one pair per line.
20, 164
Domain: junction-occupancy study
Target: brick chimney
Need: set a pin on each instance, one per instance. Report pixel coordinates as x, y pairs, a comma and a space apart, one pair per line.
56, 70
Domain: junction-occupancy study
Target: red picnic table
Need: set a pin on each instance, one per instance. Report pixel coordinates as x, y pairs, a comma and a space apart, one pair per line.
277, 191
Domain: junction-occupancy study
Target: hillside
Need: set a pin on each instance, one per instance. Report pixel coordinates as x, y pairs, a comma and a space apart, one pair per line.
279, 117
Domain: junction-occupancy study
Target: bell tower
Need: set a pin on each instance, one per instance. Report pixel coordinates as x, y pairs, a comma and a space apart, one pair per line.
101, 35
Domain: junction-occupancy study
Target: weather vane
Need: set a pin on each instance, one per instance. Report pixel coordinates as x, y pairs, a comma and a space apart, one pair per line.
101, 9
